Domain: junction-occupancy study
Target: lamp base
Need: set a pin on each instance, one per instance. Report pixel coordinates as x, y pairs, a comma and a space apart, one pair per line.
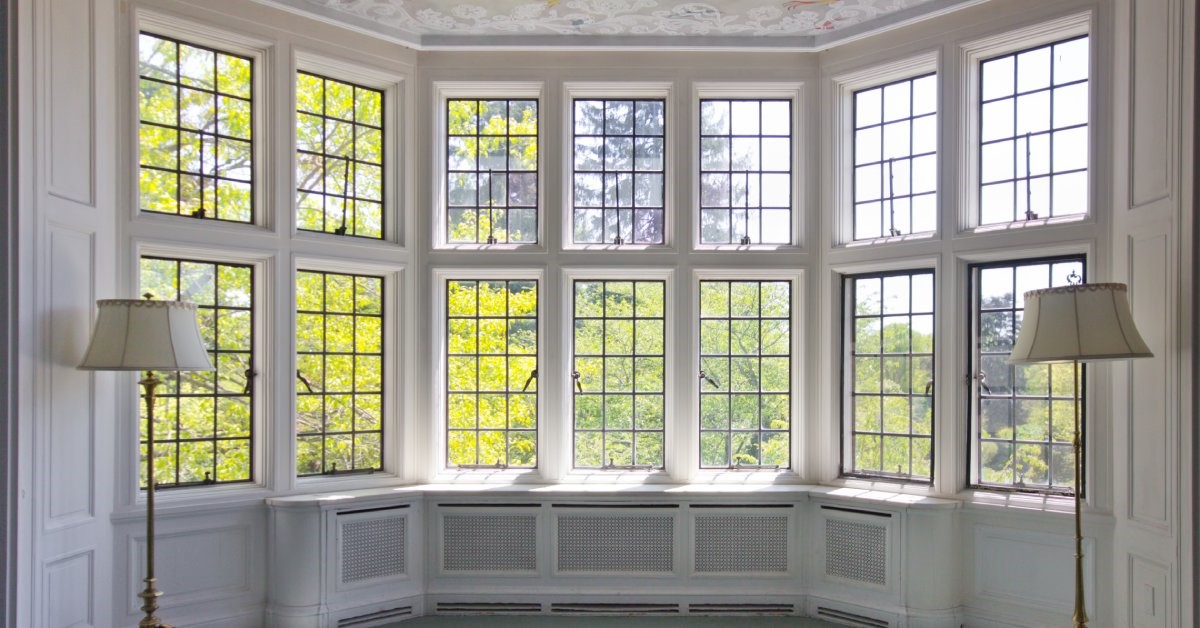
150, 597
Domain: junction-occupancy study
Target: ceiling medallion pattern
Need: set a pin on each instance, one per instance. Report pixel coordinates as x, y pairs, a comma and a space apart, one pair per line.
744, 18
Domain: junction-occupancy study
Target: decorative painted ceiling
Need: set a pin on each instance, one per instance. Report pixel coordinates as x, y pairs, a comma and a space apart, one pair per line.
800, 24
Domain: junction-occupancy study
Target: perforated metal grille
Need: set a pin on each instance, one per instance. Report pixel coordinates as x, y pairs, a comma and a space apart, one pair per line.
373, 548
856, 551
483, 542
616, 543
741, 543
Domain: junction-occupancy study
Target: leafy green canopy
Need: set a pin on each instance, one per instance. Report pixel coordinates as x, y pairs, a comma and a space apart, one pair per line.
339, 156
619, 362
491, 372
203, 423
194, 138
891, 382
492, 159
746, 380
1026, 413
339, 372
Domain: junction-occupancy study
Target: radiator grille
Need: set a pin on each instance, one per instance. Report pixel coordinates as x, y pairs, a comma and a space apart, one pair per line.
856, 551
373, 548
489, 542
616, 543
741, 543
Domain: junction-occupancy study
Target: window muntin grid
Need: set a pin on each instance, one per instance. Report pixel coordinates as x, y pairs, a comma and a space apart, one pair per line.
895, 158
1033, 132
491, 171
745, 374
618, 373
339, 157
889, 374
196, 115
745, 171
491, 373
1023, 415
618, 176
204, 420
339, 373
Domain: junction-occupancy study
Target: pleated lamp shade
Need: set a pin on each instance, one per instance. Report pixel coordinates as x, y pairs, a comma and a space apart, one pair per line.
1085, 322
144, 335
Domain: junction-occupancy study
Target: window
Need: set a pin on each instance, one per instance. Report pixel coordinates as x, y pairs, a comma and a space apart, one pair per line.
491, 171
1034, 133
745, 171
745, 373
339, 372
618, 171
1023, 415
619, 371
194, 135
888, 373
339, 157
204, 420
491, 373
895, 158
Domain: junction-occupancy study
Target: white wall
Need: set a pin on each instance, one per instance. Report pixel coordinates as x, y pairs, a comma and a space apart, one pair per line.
80, 521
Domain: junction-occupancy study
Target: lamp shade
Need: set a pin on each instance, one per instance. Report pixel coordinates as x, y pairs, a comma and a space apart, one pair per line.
1083, 322
144, 335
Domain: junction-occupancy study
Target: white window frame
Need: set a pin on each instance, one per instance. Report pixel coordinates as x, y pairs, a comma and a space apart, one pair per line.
546, 380
798, 423
672, 426
792, 91
482, 90
972, 55
618, 91
842, 148
395, 372
396, 223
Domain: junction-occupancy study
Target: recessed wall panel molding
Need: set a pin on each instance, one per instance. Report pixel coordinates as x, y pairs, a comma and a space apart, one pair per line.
70, 103
68, 580
69, 403
1032, 569
1153, 33
1149, 434
194, 566
1151, 600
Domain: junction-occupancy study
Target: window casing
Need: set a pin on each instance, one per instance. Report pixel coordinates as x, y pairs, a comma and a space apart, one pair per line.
196, 121
1022, 416
888, 370
745, 192
340, 157
619, 373
204, 420
895, 158
745, 378
491, 170
340, 372
1034, 133
491, 395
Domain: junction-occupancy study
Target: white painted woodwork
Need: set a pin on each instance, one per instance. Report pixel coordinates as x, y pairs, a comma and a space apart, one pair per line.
228, 559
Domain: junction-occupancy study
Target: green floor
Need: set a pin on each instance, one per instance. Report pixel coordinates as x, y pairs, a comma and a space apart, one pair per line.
560, 621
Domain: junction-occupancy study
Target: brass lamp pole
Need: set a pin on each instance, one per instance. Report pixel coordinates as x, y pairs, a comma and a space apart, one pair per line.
1078, 323
149, 336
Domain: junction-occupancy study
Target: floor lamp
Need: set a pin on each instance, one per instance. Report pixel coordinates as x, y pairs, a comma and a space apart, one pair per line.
145, 335
1078, 323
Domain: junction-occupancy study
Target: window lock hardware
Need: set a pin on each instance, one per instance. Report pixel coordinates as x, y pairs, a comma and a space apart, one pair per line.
745, 241
250, 375
532, 376
981, 378
711, 382
578, 384
304, 380
618, 240
499, 464
929, 387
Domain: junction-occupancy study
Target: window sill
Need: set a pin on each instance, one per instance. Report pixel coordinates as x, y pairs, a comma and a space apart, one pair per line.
924, 236
467, 247
1019, 225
